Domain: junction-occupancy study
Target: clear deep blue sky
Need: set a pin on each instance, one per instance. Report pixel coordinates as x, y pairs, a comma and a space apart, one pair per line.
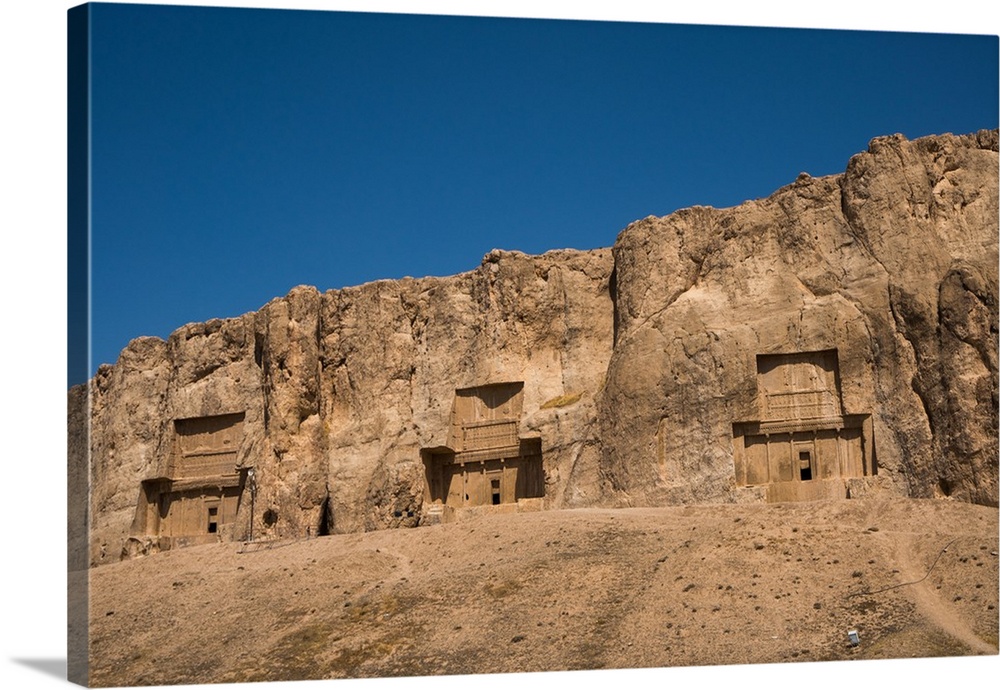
237, 153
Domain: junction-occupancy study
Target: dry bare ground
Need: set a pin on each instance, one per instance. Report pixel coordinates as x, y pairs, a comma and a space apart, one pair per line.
559, 590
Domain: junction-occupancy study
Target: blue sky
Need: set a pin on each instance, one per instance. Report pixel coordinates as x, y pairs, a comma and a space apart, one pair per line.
237, 153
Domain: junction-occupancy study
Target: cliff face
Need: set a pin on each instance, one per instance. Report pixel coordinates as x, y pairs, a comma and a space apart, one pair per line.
339, 392
892, 265
848, 323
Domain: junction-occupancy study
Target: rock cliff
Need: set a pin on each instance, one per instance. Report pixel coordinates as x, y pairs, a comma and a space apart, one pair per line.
851, 320
893, 264
340, 391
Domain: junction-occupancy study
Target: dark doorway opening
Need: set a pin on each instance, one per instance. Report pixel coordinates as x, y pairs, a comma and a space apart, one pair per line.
325, 518
495, 491
213, 520
805, 466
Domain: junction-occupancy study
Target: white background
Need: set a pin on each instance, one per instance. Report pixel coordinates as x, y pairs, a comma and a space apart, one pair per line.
33, 334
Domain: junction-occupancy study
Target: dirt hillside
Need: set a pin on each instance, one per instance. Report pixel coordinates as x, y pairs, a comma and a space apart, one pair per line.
559, 590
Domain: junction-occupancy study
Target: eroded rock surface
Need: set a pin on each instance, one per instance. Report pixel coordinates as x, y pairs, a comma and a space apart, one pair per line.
892, 264
641, 367
340, 391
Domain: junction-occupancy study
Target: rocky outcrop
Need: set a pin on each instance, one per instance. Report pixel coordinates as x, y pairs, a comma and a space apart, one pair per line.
638, 365
340, 391
893, 265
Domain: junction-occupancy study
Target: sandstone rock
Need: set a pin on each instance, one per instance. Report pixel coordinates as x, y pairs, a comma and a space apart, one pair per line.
649, 375
893, 265
340, 391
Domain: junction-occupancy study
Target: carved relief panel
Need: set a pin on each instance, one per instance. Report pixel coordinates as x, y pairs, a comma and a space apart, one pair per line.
803, 445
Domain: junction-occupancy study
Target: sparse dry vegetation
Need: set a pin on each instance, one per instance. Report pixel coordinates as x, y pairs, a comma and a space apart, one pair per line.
560, 590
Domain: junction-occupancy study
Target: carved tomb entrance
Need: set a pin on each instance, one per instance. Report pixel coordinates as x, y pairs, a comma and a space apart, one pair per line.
804, 447
485, 461
199, 495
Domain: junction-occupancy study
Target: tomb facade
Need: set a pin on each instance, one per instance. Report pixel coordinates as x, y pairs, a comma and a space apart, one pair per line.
486, 461
803, 446
197, 498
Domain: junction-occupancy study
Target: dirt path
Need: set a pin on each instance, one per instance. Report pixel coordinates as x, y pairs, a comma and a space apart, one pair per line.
916, 566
